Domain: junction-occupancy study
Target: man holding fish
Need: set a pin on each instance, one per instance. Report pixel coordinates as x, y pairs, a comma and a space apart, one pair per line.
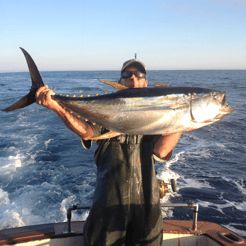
144, 125
126, 206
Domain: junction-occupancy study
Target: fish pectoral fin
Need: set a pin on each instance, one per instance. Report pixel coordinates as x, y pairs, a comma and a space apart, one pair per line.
107, 135
160, 84
117, 86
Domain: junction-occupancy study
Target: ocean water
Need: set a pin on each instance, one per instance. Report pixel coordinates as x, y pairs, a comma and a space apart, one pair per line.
44, 169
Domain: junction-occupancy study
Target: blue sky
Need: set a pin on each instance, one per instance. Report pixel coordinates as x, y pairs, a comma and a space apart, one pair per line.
101, 35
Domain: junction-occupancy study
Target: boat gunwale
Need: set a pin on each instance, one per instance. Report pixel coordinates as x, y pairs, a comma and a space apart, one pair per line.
55, 230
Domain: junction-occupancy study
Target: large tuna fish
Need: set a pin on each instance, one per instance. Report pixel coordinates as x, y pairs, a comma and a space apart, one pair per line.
147, 111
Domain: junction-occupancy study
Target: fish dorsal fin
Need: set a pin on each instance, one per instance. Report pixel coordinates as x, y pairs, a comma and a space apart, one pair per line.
107, 135
117, 86
160, 84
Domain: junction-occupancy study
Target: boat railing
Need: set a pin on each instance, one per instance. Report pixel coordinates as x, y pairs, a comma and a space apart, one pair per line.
173, 205
195, 207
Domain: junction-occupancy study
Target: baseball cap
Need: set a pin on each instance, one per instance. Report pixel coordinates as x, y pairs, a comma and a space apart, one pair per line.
135, 63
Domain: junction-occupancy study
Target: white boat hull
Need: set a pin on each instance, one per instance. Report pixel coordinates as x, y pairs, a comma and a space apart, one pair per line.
175, 232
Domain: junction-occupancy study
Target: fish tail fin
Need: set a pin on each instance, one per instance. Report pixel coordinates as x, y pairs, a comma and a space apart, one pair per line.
37, 82
23, 102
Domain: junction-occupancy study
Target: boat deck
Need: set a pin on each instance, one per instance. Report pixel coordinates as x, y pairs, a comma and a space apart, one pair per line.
176, 232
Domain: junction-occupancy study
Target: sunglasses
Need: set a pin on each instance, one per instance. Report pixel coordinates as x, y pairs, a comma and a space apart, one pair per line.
128, 74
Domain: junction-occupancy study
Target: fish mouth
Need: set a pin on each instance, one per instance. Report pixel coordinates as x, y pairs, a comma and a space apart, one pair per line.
225, 109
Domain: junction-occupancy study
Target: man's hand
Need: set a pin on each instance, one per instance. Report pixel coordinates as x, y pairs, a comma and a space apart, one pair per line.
80, 127
43, 97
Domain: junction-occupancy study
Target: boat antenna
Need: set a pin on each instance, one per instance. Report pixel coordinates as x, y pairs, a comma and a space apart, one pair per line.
135, 55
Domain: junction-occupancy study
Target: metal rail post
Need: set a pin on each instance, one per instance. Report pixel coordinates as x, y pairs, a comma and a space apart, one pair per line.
195, 207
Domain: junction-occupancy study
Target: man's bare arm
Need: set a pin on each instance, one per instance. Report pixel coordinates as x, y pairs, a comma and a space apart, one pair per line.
165, 144
80, 127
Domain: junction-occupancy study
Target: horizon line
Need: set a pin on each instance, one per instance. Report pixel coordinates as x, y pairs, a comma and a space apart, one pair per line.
116, 70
